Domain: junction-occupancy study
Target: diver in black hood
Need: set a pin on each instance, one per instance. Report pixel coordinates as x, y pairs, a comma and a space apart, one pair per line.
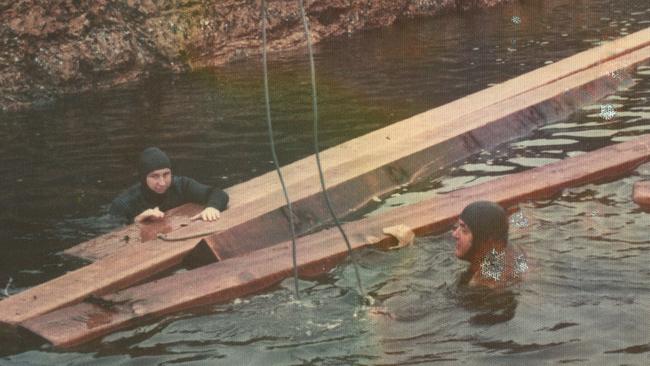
159, 191
482, 240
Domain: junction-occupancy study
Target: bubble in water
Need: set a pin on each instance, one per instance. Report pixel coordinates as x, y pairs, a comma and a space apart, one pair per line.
493, 265
519, 220
607, 111
616, 74
521, 265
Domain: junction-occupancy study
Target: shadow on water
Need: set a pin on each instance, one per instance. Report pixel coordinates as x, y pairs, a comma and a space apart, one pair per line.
488, 307
17, 340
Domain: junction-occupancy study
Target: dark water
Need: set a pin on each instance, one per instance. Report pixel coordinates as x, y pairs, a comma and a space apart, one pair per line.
586, 301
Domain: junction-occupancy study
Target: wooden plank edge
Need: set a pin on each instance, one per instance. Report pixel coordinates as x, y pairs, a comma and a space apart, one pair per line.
73, 287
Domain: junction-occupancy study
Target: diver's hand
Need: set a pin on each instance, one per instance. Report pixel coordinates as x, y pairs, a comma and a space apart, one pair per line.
209, 214
150, 214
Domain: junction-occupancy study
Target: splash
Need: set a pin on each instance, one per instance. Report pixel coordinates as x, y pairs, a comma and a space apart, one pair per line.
5, 291
607, 112
493, 265
519, 220
521, 265
616, 74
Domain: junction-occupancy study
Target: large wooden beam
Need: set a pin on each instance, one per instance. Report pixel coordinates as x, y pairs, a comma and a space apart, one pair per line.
356, 170
246, 274
446, 140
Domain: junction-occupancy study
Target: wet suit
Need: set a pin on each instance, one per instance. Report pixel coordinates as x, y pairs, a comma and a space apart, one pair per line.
140, 197
183, 190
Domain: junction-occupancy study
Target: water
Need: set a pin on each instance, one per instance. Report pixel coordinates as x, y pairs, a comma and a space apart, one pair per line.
585, 300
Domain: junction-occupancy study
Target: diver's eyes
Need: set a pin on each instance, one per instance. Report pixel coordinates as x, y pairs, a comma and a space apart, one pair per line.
463, 228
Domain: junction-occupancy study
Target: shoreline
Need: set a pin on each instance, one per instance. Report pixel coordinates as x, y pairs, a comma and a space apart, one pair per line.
60, 48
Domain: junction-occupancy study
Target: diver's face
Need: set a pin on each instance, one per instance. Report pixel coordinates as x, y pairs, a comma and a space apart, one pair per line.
463, 237
159, 180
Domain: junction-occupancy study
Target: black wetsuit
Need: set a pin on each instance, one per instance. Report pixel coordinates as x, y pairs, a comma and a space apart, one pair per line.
137, 198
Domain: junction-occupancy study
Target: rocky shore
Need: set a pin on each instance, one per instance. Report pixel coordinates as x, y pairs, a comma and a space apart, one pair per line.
58, 47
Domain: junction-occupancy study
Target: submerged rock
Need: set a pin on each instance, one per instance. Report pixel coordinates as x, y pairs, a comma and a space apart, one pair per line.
51, 48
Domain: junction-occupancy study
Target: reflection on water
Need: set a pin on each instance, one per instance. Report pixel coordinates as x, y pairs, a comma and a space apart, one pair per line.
584, 300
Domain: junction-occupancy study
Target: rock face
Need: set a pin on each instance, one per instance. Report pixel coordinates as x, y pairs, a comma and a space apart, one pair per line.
56, 47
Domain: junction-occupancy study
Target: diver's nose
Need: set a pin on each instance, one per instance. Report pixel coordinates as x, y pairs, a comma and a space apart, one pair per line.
455, 232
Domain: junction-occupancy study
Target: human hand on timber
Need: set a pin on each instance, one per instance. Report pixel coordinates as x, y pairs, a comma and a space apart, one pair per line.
208, 214
150, 214
160, 189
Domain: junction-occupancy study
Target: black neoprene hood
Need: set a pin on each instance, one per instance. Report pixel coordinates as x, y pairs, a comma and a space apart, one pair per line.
152, 158
486, 220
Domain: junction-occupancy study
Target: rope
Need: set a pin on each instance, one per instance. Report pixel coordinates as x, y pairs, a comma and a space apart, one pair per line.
164, 237
316, 150
275, 156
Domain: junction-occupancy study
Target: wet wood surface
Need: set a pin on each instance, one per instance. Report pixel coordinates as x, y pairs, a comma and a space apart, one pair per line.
355, 171
260, 269
133, 235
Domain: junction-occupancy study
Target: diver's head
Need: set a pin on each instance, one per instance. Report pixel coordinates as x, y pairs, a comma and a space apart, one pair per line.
154, 169
481, 224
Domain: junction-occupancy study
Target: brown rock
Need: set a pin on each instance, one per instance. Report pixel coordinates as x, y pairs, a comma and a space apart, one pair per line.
78, 25
64, 46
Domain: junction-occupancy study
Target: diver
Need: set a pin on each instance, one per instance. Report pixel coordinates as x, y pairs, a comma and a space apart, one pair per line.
482, 240
159, 191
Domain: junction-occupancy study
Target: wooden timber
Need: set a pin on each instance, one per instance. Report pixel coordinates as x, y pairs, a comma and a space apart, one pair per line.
246, 274
133, 235
355, 171
448, 141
